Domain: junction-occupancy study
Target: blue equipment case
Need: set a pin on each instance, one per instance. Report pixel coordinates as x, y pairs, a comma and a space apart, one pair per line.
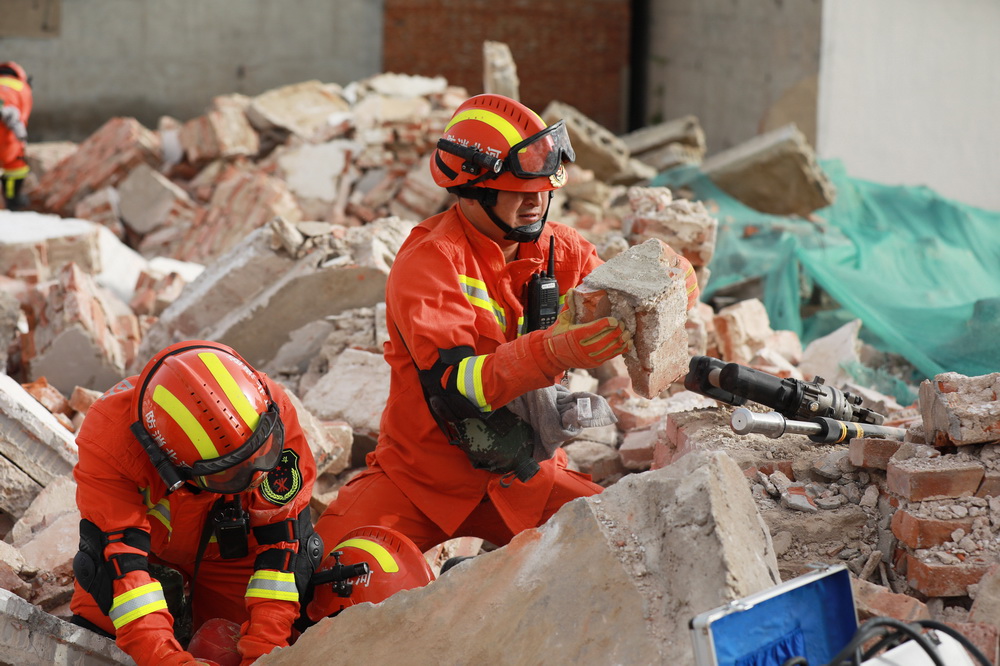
812, 616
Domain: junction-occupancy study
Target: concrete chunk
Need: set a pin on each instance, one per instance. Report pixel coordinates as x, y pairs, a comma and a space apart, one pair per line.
500, 70
645, 290
668, 545
596, 147
685, 226
28, 635
960, 410
148, 200
103, 160
668, 144
355, 390
774, 173
301, 108
79, 339
30, 436
223, 132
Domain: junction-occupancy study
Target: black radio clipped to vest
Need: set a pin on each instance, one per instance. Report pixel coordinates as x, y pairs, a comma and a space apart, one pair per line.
543, 294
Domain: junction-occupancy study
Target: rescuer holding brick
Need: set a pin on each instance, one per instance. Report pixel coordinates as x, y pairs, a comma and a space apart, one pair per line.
471, 308
16, 100
199, 464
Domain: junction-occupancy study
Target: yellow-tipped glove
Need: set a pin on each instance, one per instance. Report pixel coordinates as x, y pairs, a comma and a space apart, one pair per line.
584, 346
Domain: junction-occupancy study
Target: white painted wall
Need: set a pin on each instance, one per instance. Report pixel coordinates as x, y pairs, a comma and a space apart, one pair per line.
909, 94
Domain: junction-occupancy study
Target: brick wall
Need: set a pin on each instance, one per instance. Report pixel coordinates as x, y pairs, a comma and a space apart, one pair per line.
574, 51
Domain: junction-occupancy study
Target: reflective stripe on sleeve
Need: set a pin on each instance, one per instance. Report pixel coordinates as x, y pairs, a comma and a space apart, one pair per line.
469, 381
270, 584
133, 604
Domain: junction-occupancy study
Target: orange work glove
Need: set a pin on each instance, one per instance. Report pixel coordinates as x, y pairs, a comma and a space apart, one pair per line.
584, 346
685, 269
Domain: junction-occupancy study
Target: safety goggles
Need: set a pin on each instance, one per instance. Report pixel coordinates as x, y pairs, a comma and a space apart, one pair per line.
233, 472
541, 154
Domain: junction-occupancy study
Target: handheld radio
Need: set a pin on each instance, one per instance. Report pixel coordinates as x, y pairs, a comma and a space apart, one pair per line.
543, 294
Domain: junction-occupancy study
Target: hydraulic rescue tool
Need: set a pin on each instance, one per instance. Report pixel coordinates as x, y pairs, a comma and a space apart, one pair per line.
824, 413
735, 384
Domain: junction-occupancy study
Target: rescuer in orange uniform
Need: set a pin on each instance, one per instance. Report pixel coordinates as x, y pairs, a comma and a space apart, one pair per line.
451, 460
199, 464
16, 99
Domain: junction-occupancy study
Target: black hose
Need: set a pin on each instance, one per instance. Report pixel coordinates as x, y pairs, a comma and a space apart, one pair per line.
965, 642
865, 633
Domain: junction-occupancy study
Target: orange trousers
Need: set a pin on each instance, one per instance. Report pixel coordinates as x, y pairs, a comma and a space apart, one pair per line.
371, 498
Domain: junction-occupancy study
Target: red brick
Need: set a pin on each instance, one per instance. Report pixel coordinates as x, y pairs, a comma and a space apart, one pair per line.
945, 580
783, 466
926, 532
990, 487
872, 452
921, 481
637, 448
984, 636
873, 600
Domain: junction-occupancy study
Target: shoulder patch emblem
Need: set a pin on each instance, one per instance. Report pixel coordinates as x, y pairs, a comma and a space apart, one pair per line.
284, 481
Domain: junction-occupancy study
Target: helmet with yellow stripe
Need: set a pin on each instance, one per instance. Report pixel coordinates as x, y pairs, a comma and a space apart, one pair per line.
206, 417
496, 142
493, 143
370, 563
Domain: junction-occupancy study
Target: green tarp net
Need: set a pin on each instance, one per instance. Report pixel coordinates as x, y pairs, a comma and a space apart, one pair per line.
920, 271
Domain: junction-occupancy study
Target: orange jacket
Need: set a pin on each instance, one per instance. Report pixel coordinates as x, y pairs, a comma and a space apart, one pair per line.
14, 91
451, 287
118, 488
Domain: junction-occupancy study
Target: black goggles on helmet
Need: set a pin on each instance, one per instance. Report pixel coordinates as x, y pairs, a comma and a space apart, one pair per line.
233, 472
541, 154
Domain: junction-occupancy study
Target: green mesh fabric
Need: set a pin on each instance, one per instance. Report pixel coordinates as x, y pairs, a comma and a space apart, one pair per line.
920, 271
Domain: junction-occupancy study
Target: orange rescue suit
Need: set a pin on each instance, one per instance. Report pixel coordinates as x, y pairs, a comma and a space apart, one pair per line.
118, 488
14, 92
449, 287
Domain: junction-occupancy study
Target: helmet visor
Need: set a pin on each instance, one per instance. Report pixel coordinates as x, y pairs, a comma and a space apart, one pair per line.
234, 472
540, 155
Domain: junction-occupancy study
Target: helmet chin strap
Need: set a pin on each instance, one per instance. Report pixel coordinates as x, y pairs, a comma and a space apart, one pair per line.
525, 234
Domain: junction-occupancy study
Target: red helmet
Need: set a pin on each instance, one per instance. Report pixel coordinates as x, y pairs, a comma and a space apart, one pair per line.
207, 415
394, 564
11, 68
496, 142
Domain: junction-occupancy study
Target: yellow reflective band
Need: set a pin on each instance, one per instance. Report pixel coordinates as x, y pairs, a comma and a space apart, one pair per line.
477, 294
497, 122
231, 389
186, 420
16, 174
161, 511
381, 555
270, 584
469, 381
133, 604
11, 82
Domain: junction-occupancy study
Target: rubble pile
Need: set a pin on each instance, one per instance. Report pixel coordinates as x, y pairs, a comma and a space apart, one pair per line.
270, 224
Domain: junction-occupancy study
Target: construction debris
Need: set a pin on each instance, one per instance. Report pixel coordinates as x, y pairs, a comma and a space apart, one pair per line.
270, 223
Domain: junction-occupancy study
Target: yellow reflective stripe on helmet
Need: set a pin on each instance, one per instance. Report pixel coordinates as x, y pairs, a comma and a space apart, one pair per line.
11, 82
270, 584
470, 381
133, 604
231, 389
381, 555
475, 290
186, 420
494, 120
